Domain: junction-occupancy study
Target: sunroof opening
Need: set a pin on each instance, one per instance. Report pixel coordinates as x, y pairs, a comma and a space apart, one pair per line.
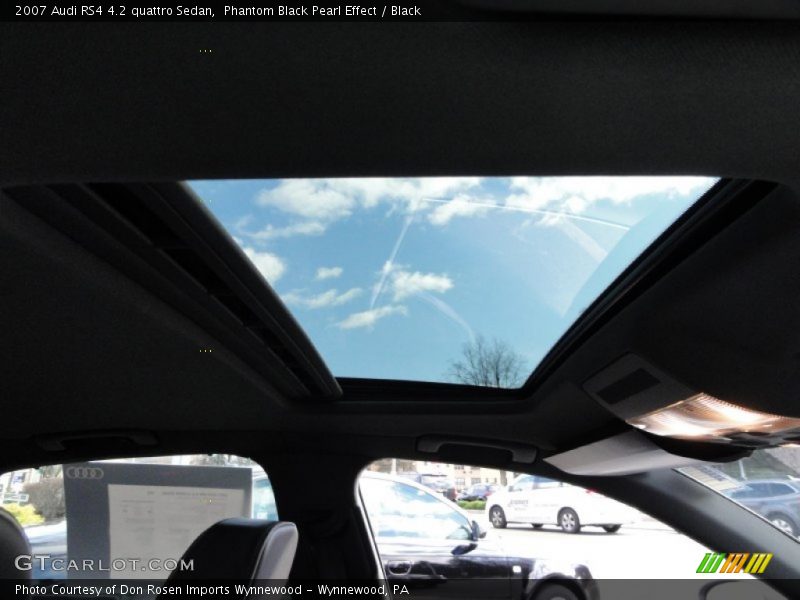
461, 279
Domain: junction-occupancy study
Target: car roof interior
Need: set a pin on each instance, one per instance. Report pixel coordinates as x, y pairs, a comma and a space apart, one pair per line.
114, 276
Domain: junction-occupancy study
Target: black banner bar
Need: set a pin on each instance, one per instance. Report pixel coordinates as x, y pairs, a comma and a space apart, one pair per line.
252, 10
711, 588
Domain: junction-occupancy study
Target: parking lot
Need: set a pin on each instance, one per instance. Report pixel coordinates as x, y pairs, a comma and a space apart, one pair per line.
641, 550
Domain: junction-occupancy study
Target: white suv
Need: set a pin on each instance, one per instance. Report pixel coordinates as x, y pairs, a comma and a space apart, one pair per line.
539, 501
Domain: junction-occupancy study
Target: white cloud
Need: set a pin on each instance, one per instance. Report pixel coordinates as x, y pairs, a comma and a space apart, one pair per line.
320, 202
328, 200
368, 318
328, 298
415, 192
405, 284
273, 233
270, 265
460, 206
576, 194
329, 272
407, 193
310, 198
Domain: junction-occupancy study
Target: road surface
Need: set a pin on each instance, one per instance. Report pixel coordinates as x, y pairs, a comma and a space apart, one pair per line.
643, 550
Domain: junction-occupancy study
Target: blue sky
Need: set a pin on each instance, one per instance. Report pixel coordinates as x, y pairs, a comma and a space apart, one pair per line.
391, 277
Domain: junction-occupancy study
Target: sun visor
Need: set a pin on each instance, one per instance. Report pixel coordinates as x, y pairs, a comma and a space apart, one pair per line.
633, 452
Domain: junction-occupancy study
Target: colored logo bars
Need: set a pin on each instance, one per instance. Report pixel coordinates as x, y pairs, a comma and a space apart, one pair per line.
715, 562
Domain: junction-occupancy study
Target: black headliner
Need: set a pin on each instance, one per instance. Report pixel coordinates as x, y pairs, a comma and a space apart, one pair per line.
136, 101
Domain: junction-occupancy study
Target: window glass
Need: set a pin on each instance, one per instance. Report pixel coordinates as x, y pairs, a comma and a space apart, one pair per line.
400, 509
264, 499
767, 483
779, 489
540, 525
129, 518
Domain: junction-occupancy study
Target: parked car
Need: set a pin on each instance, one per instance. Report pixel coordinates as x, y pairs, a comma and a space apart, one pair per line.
435, 481
776, 499
541, 501
477, 491
425, 541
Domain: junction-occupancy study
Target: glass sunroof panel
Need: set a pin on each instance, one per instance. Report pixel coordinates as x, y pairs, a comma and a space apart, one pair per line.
463, 279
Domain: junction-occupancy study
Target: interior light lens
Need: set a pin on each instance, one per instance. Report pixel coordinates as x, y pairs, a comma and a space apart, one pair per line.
705, 417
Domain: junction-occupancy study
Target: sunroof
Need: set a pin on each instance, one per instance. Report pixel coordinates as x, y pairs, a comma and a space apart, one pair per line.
464, 279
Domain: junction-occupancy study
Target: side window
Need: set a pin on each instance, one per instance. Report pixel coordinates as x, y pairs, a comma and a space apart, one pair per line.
133, 517
767, 482
264, 499
780, 489
421, 535
397, 509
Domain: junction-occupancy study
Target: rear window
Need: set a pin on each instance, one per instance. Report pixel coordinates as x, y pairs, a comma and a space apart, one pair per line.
129, 518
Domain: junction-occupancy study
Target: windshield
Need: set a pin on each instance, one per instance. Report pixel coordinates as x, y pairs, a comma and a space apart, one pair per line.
461, 279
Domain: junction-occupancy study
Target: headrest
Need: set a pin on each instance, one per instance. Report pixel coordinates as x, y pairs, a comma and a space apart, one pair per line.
13, 543
241, 550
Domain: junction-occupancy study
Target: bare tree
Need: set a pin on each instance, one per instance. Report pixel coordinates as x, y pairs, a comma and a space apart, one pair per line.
490, 364
50, 471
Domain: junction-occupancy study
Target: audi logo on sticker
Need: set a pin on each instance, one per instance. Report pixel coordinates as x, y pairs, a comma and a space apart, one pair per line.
84, 473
